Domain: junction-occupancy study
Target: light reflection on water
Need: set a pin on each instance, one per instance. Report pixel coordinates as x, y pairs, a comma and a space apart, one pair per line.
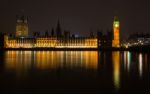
116, 68
119, 63
140, 65
17, 60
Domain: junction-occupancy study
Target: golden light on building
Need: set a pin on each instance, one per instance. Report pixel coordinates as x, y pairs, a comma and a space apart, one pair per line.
21, 26
116, 32
23, 40
50, 42
46, 42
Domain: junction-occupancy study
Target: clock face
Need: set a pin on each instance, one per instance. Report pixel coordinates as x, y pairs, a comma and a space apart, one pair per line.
116, 24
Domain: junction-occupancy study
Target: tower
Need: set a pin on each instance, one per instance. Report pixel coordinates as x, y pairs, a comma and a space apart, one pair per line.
116, 32
58, 30
21, 26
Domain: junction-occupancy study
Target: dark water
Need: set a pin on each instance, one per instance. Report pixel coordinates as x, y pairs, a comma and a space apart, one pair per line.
74, 72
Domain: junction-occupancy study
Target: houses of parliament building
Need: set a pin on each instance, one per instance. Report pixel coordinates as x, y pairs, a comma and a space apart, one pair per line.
59, 39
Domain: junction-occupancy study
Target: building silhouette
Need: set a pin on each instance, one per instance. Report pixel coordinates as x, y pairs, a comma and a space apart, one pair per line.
104, 40
52, 32
138, 39
2, 42
58, 30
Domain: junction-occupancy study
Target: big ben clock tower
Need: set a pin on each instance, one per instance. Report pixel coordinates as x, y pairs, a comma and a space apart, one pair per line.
116, 32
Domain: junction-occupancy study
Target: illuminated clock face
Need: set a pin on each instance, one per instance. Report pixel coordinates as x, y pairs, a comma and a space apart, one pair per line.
116, 24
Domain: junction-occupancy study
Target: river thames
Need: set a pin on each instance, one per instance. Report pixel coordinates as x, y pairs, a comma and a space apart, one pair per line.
40, 72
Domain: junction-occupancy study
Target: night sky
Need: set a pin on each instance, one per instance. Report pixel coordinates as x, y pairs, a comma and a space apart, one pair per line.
78, 16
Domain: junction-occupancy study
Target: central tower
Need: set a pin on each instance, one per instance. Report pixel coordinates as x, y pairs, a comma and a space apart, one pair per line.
116, 32
21, 26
